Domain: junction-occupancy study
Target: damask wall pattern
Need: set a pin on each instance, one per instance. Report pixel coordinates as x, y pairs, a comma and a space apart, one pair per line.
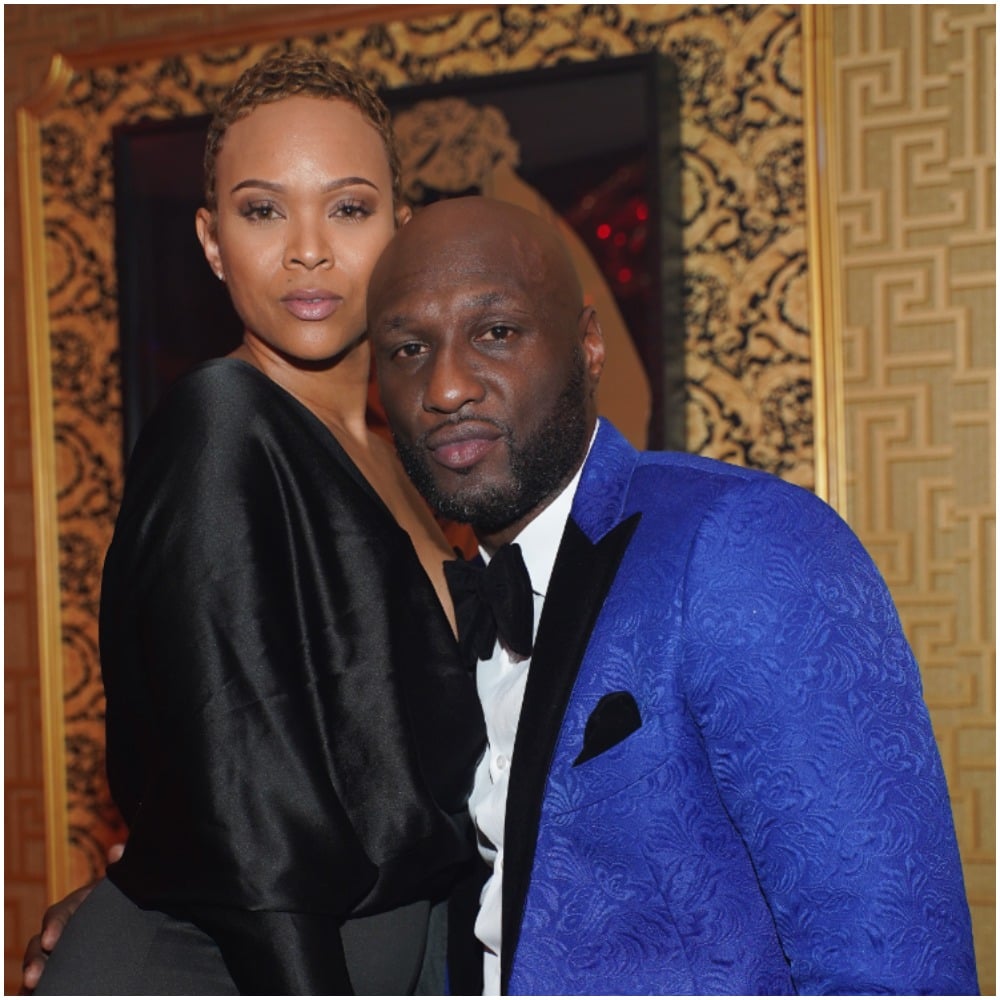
749, 373
915, 116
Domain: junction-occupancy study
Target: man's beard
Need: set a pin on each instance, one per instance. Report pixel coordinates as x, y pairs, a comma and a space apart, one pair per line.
539, 466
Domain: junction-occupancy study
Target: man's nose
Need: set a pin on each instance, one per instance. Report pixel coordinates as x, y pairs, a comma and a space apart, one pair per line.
454, 380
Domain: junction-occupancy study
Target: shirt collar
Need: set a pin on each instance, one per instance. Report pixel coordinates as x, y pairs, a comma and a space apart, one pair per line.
539, 540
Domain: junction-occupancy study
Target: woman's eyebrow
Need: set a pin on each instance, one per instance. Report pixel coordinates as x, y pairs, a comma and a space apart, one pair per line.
277, 188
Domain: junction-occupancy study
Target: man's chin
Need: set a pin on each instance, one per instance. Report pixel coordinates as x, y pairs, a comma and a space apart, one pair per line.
471, 495
486, 507
466, 505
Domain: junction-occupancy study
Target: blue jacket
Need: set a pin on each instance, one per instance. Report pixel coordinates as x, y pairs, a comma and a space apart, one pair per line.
725, 779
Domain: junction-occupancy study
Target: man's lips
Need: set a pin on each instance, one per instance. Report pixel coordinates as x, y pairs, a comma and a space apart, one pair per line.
461, 446
311, 304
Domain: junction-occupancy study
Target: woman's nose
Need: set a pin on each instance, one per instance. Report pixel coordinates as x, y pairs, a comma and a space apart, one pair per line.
309, 245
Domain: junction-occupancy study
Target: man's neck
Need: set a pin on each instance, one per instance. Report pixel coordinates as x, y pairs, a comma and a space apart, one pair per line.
490, 543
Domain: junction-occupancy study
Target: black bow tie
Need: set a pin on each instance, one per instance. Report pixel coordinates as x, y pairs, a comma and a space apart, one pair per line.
492, 600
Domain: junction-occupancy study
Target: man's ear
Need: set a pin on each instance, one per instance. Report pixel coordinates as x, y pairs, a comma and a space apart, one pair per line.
204, 225
592, 342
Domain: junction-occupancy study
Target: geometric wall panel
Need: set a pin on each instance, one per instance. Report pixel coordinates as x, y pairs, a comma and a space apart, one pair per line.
916, 159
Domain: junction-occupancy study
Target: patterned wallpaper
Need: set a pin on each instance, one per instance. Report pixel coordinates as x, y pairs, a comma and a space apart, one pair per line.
744, 301
748, 370
915, 125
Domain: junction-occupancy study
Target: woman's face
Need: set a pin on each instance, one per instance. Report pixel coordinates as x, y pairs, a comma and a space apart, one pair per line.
304, 196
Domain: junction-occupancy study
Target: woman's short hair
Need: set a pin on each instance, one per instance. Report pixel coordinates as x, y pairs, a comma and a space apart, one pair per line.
291, 74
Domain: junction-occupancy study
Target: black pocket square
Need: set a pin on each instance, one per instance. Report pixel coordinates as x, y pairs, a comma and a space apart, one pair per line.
614, 717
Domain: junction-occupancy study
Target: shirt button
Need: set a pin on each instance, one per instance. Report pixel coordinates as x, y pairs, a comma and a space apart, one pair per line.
501, 762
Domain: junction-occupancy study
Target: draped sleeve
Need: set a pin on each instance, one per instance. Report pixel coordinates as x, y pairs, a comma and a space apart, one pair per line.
291, 736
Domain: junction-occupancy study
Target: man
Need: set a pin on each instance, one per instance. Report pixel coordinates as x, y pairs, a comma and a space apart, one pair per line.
713, 772
710, 769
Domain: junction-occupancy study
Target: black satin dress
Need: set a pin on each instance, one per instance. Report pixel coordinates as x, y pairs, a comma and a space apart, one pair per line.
291, 734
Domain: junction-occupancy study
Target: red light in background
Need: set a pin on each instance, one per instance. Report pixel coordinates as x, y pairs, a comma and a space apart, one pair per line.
603, 231
625, 275
642, 211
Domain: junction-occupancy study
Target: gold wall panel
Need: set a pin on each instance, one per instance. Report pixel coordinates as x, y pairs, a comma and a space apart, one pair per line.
916, 146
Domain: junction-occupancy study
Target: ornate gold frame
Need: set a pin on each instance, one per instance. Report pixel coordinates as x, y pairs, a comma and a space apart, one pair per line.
823, 310
824, 280
43, 470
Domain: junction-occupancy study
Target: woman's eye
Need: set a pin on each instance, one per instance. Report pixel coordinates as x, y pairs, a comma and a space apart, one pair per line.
352, 210
261, 211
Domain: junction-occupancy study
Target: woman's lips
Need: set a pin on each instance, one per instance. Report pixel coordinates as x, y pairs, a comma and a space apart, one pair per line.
312, 305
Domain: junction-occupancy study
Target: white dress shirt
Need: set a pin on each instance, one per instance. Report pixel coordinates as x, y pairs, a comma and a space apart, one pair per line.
501, 681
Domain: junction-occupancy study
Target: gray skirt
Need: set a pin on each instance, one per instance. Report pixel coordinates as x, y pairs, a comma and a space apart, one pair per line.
112, 947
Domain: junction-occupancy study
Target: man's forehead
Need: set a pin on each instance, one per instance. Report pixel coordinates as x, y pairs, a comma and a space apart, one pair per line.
423, 246
438, 262
426, 302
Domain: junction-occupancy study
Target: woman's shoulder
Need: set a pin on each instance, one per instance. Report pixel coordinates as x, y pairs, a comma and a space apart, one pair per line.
221, 396
216, 383
211, 414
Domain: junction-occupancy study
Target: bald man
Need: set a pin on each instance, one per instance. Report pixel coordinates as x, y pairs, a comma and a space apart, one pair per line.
710, 767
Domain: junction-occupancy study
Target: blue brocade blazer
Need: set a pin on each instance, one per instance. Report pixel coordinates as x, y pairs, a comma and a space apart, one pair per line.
725, 779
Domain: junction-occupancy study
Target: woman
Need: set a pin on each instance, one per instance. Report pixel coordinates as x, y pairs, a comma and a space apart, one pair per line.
291, 736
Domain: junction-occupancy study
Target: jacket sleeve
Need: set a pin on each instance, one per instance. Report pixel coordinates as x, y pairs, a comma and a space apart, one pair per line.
810, 705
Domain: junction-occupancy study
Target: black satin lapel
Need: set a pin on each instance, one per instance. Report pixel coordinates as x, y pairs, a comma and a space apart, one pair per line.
581, 578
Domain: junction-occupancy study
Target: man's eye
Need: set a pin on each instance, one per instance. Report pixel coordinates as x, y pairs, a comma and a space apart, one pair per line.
499, 332
408, 350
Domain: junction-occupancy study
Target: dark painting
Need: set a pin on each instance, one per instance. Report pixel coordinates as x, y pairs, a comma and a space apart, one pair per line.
596, 142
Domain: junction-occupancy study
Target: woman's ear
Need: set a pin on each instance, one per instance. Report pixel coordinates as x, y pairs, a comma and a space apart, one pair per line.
204, 224
403, 215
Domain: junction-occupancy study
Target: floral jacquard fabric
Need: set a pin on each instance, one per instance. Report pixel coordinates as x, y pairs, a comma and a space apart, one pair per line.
779, 822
